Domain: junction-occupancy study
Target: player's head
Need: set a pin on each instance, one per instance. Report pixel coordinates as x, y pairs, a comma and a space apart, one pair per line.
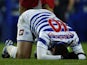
59, 48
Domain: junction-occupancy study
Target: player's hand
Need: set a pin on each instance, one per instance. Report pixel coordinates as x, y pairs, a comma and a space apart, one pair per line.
81, 56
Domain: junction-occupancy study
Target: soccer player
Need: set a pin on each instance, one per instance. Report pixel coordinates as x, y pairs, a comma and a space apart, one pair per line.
49, 30
32, 4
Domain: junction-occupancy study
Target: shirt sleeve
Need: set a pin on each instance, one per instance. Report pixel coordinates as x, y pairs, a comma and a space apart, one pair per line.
42, 52
77, 48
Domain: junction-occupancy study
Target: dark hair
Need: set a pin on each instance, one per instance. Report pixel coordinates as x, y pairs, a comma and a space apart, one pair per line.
60, 49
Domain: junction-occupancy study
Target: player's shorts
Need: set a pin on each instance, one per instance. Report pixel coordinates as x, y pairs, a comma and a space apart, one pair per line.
24, 33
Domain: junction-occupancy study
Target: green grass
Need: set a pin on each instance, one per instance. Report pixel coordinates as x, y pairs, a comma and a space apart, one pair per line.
33, 61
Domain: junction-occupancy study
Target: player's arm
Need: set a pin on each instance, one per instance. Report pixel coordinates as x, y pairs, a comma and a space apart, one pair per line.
42, 52
79, 51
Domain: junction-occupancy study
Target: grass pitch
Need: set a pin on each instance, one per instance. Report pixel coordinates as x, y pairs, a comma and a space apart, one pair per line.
33, 61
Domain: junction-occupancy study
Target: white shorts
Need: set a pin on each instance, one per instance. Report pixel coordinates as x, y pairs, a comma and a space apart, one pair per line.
24, 33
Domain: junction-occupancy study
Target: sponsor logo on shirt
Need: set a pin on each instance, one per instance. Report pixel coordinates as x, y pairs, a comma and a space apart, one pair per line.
61, 36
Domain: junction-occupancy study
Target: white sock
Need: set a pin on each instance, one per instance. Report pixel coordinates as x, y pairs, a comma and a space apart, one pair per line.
12, 50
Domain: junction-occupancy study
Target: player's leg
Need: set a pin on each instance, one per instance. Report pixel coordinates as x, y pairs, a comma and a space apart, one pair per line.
24, 38
24, 49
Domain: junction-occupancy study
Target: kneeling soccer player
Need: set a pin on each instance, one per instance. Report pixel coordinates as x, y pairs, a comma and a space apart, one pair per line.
48, 29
